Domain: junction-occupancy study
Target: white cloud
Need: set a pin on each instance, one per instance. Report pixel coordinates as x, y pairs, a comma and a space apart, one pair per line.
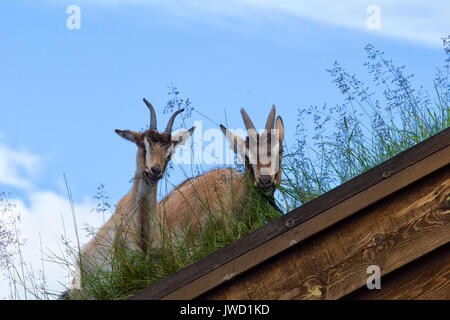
17, 167
42, 213
420, 21
43, 219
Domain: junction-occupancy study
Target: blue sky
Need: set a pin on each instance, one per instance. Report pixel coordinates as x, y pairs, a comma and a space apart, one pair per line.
63, 92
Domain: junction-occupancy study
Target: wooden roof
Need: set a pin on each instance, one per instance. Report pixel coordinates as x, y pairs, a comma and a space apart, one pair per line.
218, 275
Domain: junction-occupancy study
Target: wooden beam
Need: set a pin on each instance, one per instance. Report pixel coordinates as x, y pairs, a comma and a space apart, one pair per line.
305, 221
390, 234
427, 278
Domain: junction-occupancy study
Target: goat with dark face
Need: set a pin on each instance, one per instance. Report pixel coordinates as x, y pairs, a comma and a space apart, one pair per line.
192, 203
262, 152
132, 224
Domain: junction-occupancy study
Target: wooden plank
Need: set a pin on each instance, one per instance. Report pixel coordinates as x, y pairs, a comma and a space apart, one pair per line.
390, 234
427, 278
387, 171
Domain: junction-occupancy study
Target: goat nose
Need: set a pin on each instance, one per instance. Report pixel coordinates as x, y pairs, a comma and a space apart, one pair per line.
265, 180
156, 169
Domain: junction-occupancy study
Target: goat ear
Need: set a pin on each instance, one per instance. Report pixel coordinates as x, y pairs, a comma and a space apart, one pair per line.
280, 127
129, 135
180, 138
236, 143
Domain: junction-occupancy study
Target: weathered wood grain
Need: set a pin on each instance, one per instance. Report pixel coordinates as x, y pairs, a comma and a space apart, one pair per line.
427, 278
330, 265
304, 221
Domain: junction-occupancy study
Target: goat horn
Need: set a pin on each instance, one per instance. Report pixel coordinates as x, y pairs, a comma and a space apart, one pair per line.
152, 115
271, 119
248, 123
172, 118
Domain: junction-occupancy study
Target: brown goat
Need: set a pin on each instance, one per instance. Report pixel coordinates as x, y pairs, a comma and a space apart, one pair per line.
132, 225
193, 203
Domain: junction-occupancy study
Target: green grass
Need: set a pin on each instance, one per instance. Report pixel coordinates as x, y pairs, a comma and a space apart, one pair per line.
366, 129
